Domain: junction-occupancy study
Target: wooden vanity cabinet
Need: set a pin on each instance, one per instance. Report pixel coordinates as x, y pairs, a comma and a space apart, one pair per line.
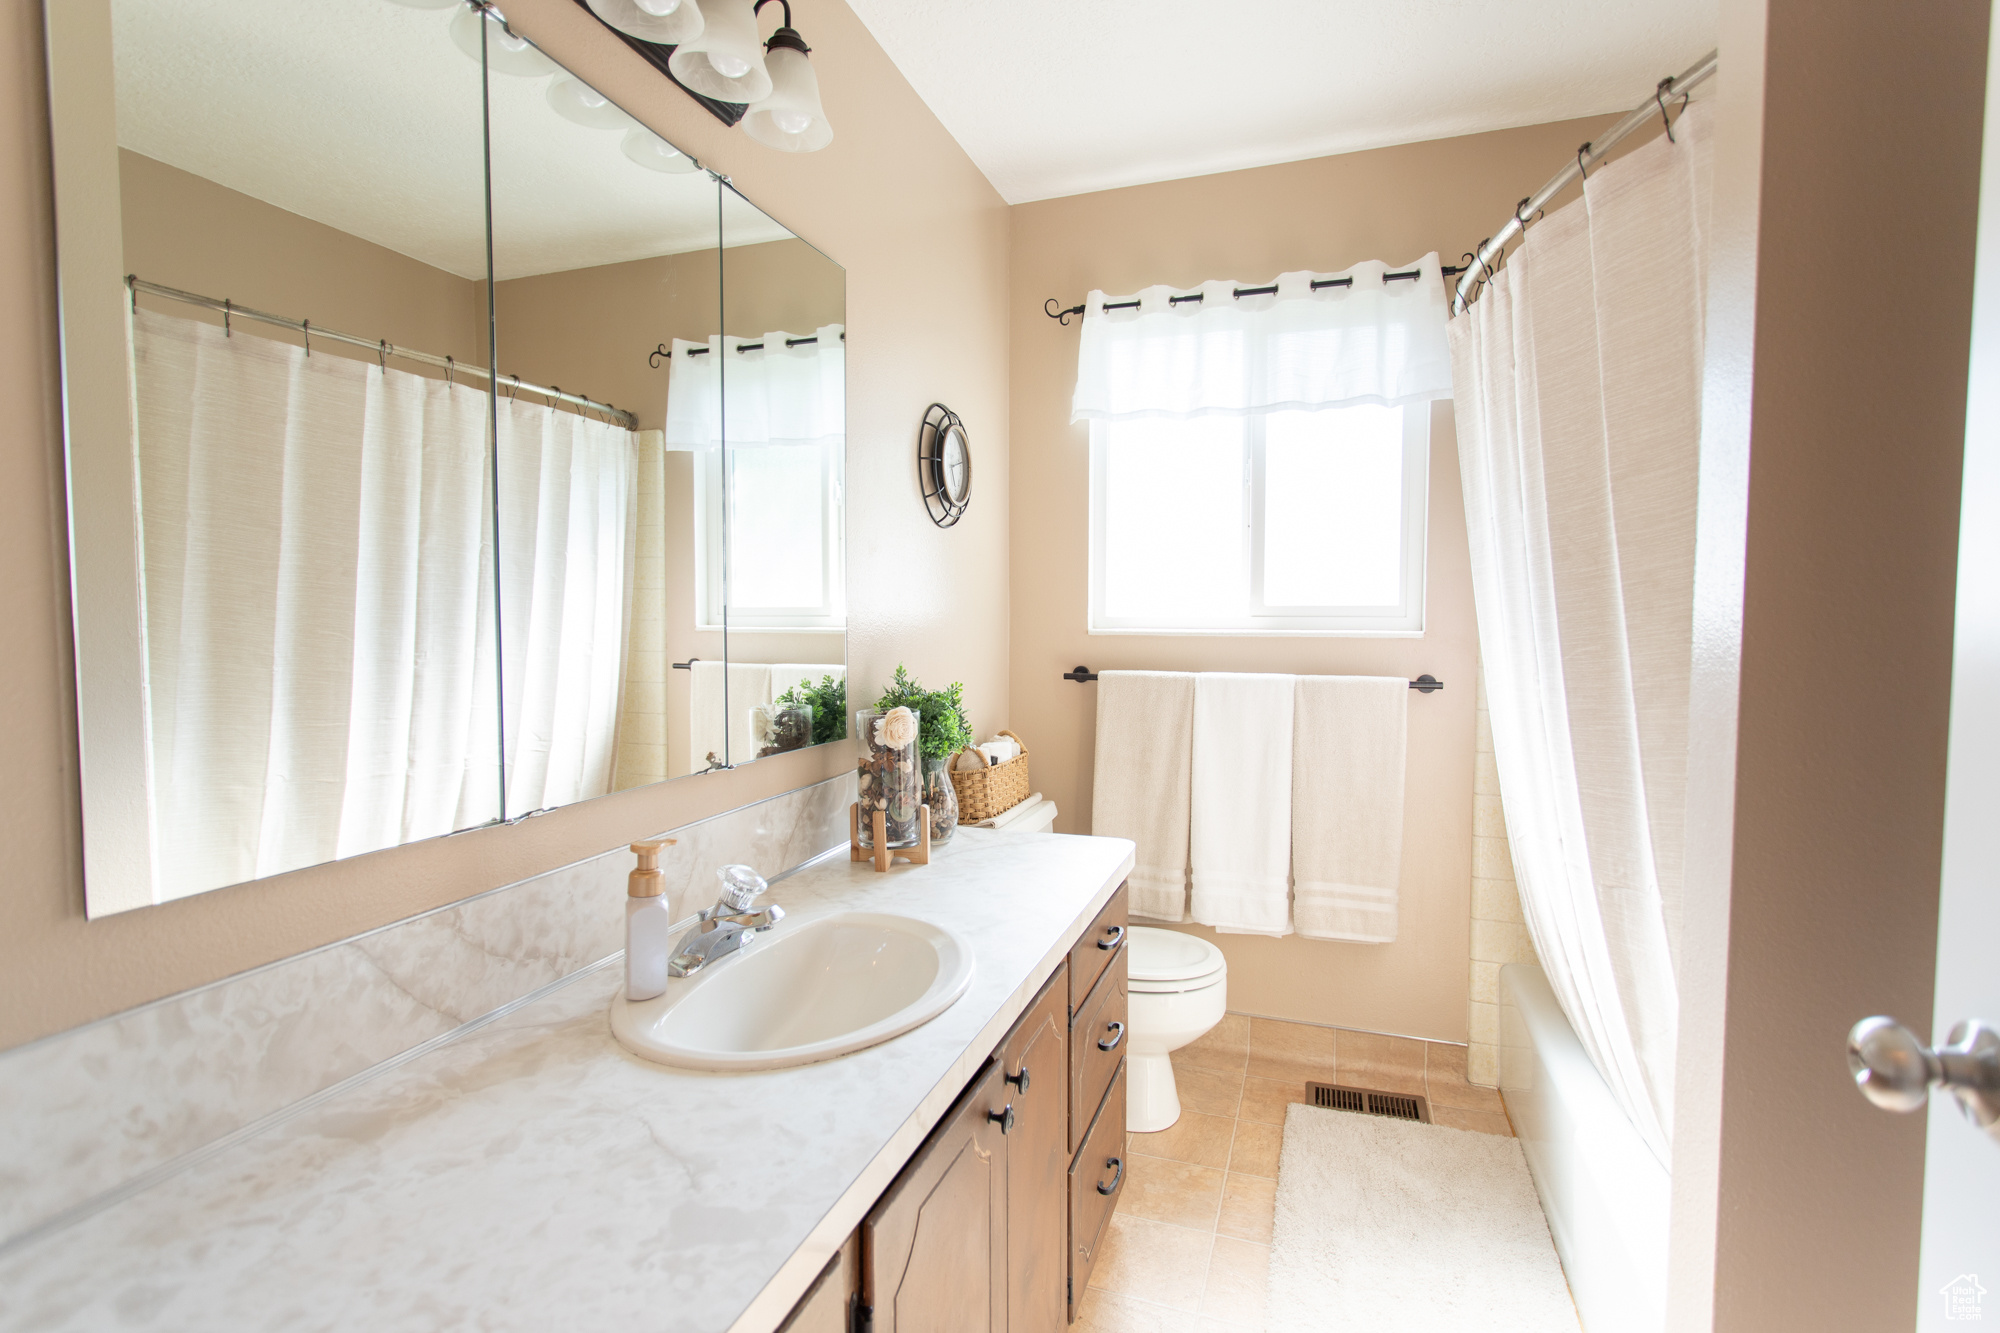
993, 1225
934, 1247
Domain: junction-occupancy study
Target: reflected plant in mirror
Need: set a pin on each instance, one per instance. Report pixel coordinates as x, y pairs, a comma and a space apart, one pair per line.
338, 585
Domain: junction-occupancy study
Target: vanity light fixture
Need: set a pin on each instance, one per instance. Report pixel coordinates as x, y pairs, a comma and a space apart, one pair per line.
505, 53
576, 101
667, 22
790, 118
649, 150
727, 61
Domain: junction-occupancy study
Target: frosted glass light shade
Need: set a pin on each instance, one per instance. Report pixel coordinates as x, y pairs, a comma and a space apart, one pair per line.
505, 52
652, 152
574, 100
727, 61
791, 118
668, 22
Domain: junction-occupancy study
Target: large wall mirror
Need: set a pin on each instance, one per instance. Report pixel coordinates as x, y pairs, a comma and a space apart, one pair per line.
337, 586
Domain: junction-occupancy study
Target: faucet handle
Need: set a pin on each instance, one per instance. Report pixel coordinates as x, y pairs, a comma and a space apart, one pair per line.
741, 886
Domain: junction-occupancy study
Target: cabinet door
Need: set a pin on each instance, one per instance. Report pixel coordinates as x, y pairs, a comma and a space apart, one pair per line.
1035, 1061
1096, 1046
1095, 1182
934, 1250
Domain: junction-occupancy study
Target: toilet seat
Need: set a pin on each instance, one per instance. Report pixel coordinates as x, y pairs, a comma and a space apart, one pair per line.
1166, 962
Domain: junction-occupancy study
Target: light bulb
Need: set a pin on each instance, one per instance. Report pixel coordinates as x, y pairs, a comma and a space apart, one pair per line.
659, 9
729, 66
511, 42
793, 122
591, 98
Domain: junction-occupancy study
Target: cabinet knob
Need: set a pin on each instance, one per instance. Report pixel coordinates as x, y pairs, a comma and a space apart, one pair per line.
1117, 1175
1003, 1118
1020, 1080
1113, 937
1117, 1031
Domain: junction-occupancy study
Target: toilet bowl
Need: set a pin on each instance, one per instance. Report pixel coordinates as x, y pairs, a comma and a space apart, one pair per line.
1178, 989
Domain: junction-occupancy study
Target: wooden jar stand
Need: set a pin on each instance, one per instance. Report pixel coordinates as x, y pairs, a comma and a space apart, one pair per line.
882, 853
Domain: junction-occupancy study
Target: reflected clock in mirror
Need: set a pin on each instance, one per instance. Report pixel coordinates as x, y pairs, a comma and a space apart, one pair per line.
944, 465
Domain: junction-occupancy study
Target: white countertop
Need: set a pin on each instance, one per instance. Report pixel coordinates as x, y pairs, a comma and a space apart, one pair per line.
534, 1175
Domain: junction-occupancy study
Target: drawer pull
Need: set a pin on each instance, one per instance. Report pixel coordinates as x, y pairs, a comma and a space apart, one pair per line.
1117, 1031
1003, 1118
1117, 1175
1113, 937
1020, 1080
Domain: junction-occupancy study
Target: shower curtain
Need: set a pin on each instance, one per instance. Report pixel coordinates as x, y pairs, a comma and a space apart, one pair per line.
1577, 380
321, 630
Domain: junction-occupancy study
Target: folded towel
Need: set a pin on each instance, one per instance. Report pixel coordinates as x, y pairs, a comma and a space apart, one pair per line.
1240, 803
1348, 746
1145, 733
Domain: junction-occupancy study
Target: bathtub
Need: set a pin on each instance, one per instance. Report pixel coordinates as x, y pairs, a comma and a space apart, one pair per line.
1604, 1192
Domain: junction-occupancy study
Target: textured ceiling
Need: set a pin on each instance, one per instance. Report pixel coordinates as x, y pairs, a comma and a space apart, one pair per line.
364, 115
1056, 97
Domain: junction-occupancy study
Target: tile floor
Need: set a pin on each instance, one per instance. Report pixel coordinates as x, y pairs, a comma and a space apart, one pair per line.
1190, 1244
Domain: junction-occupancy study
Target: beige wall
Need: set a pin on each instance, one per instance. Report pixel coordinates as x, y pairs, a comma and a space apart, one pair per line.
1394, 204
926, 305
185, 231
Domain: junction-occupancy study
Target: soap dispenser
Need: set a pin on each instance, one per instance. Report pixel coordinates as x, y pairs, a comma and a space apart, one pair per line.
648, 924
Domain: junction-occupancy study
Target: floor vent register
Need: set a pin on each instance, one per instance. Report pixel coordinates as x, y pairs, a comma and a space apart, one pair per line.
1367, 1101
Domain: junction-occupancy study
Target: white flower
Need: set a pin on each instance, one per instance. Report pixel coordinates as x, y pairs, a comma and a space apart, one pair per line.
895, 728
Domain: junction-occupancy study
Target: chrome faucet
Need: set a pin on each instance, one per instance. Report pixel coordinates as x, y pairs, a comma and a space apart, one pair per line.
727, 927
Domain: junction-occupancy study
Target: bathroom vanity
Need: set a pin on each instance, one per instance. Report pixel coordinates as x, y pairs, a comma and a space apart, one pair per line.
530, 1173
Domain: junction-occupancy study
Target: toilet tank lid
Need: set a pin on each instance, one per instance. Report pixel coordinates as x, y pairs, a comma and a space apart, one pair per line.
1168, 955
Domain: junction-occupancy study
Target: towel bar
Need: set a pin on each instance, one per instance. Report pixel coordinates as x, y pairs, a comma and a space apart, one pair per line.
1423, 684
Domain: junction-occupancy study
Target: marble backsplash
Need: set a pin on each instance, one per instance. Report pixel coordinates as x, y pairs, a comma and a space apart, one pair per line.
90, 1115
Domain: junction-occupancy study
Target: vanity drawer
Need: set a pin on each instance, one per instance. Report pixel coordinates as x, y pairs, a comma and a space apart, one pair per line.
1096, 1046
1096, 1178
1095, 948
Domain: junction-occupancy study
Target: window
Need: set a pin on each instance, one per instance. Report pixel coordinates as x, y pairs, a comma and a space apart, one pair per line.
783, 564
1301, 522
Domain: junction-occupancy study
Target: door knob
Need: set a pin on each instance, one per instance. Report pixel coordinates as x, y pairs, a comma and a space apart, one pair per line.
1897, 1072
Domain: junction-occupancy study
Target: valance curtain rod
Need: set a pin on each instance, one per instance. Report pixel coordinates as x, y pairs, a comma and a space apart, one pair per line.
1062, 316
382, 349
1423, 684
1587, 156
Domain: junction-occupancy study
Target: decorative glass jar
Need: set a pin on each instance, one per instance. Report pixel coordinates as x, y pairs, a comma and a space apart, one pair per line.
941, 797
889, 777
779, 727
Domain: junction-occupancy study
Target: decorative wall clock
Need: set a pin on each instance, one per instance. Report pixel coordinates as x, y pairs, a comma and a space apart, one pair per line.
944, 465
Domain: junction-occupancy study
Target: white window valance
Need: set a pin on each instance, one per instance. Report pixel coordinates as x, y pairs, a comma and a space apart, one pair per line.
788, 391
1354, 339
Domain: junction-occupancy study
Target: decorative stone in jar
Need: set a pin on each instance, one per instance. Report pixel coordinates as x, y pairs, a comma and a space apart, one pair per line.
941, 797
780, 727
888, 774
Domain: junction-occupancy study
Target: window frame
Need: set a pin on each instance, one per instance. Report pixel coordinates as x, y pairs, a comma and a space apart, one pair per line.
714, 484
1406, 621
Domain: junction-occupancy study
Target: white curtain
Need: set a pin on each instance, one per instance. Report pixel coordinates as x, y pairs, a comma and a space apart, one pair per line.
788, 391
1358, 338
319, 608
568, 519
1578, 408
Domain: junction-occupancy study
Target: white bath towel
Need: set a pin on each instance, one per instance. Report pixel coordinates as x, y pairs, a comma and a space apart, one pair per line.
1348, 743
709, 722
1145, 735
1240, 803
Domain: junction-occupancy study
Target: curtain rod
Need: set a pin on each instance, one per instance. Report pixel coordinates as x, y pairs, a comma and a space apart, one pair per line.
653, 357
1587, 156
1423, 684
1062, 316
382, 349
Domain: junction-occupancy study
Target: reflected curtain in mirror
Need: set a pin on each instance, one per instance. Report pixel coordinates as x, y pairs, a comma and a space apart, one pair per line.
318, 615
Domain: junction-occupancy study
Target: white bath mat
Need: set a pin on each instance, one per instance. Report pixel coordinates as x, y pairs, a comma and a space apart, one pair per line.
1391, 1225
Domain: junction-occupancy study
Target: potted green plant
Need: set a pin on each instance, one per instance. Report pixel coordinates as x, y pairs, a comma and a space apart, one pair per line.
828, 701
943, 732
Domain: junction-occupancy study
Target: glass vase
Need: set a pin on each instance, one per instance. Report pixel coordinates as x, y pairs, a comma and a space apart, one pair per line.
777, 728
888, 776
941, 797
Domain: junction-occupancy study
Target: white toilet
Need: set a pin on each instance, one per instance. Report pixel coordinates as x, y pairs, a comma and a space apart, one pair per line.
1179, 989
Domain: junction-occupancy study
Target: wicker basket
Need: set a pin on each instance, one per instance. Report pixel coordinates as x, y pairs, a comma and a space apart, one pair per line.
986, 792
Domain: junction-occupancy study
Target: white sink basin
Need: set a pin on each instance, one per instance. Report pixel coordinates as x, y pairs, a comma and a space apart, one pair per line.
801, 993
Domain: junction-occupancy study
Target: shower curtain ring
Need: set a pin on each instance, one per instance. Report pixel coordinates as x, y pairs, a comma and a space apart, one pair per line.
383, 356
451, 372
1660, 98
517, 390
1517, 213
225, 318
306, 326
1581, 154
